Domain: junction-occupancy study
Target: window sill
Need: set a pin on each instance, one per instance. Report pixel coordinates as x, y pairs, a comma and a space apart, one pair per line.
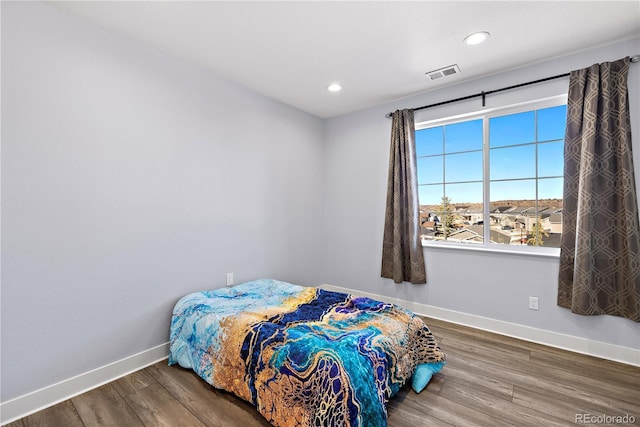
510, 249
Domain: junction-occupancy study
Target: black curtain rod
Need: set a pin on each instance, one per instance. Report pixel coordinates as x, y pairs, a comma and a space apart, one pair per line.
483, 94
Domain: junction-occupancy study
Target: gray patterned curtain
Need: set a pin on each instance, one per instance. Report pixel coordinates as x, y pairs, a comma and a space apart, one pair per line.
402, 257
600, 249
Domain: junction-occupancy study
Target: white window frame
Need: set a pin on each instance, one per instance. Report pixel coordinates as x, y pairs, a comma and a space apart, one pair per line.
486, 115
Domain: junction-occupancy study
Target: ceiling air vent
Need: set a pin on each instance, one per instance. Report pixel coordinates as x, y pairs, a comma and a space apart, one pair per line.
443, 72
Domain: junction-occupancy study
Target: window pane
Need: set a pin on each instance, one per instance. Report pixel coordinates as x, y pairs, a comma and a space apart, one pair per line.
550, 189
465, 194
463, 167
547, 230
429, 141
544, 228
511, 204
513, 162
551, 123
512, 129
430, 170
551, 159
430, 210
466, 216
430, 195
463, 136
520, 193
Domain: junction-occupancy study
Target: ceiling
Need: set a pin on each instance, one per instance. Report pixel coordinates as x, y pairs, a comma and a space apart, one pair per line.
378, 50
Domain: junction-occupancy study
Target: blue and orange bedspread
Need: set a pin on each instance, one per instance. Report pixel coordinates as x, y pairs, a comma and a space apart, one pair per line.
303, 356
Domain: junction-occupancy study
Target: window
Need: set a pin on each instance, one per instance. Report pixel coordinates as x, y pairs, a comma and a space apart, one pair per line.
493, 178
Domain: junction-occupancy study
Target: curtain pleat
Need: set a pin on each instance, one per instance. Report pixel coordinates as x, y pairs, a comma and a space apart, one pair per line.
402, 256
600, 249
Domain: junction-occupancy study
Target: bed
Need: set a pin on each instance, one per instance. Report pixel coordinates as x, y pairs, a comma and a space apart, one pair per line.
303, 356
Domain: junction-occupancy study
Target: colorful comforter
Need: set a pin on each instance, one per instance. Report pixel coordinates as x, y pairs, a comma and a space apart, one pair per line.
302, 356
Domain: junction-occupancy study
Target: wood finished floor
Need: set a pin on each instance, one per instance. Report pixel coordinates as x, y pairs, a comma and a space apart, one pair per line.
490, 380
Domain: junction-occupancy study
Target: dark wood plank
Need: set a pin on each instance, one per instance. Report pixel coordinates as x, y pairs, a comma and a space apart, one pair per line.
133, 382
499, 408
452, 412
592, 367
583, 380
103, 406
568, 360
541, 381
435, 384
402, 415
61, 415
155, 406
544, 354
445, 328
457, 371
213, 407
488, 349
566, 408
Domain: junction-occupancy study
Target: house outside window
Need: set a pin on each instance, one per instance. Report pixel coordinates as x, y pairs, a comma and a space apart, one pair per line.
493, 179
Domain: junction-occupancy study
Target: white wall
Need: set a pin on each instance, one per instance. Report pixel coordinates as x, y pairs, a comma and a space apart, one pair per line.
130, 178
489, 285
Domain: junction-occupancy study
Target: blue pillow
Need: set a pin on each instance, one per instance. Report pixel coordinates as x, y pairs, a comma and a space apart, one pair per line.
423, 373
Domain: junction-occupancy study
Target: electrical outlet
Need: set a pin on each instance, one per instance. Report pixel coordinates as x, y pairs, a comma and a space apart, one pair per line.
533, 303
229, 279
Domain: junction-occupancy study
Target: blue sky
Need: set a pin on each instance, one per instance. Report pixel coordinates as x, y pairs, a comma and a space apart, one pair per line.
512, 157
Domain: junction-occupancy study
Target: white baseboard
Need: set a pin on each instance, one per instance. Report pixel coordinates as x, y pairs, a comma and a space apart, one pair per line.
35, 401
629, 356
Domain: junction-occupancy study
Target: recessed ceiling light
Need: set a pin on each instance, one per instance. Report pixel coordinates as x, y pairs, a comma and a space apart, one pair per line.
476, 38
334, 87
